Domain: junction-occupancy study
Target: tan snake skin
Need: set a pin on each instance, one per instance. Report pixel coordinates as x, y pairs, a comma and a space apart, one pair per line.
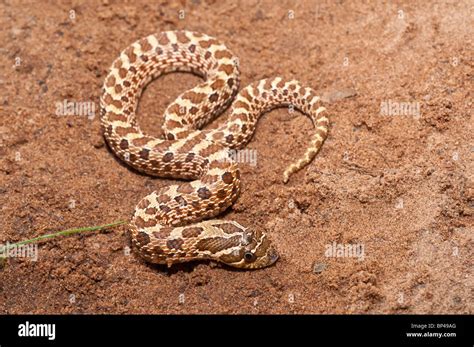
173, 224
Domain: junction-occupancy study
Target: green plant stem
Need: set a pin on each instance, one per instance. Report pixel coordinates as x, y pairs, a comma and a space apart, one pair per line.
61, 233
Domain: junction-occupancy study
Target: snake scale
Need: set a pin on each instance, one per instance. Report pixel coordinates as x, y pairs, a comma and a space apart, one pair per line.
175, 224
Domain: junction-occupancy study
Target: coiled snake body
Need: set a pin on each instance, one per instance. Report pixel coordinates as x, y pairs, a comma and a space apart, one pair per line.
174, 224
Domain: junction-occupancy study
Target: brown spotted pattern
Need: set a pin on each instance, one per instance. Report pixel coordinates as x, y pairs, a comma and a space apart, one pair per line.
175, 223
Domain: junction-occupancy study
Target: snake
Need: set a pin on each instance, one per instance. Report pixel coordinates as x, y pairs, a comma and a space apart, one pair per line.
178, 223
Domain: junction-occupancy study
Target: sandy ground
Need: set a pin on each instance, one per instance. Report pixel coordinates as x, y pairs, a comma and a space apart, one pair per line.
393, 185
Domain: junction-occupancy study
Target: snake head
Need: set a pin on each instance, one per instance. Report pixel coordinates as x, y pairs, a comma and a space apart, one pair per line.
254, 252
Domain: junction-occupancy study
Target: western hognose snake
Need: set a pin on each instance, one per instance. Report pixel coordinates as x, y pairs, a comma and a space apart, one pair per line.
173, 224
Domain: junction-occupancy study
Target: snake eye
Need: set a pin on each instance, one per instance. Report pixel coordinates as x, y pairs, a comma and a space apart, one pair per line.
249, 256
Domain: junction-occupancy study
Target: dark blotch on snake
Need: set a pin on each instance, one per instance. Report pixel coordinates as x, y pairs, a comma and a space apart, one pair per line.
163, 233
168, 157
151, 211
180, 200
221, 194
191, 232
204, 193
227, 178
216, 244
123, 144
143, 238
174, 244
165, 208
214, 97
144, 153
228, 228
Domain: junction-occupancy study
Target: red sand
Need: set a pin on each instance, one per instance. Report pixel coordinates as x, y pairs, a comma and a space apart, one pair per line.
401, 186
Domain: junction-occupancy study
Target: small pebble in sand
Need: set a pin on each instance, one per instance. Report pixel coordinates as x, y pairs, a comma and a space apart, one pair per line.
319, 267
98, 143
